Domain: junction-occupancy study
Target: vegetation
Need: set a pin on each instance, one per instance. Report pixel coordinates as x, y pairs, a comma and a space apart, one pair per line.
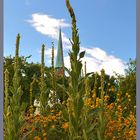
90, 107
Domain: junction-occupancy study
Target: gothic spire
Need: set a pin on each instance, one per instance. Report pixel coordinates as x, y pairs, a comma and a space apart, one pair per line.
59, 58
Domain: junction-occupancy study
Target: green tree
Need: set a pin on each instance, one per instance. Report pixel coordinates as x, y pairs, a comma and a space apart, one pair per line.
127, 83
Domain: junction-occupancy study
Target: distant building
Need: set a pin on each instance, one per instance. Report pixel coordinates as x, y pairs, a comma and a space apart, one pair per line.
59, 66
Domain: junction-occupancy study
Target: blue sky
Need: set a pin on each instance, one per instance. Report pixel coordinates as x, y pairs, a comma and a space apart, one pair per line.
107, 30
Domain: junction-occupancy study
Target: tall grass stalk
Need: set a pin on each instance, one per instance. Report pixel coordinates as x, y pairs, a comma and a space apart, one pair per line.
16, 108
102, 119
43, 99
75, 100
31, 92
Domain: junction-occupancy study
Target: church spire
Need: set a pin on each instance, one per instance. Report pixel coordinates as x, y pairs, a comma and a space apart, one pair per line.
59, 66
59, 58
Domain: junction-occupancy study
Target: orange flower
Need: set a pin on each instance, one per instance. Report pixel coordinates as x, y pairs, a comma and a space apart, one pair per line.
119, 107
126, 122
44, 125
107, 97
44, 134
131, 133
53, 126
37, 138
65, 126
53, 118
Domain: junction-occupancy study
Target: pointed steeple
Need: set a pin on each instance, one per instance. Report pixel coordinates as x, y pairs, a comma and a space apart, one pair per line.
59, 58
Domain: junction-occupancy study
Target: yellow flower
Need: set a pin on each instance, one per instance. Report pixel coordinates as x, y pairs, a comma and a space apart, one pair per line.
107, 97
112, 89
131, 133
43, 131
52, 110
97, 102
63, 102
109, 89
8, 114
53, 126
88, 102
118, 94
37, 138
118, 100
44, 134
129, 96
53, 118
119, 107
45, 125
111, 106
116, 112
108, 84
94, 95
126, 94
113, 138
31, 117
32, 127
125, 107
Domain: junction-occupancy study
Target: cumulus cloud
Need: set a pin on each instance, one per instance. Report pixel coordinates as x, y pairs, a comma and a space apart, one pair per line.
96, 59
48, 52
49, 26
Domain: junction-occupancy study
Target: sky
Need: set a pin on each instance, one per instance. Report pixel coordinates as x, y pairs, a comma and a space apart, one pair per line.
107, 30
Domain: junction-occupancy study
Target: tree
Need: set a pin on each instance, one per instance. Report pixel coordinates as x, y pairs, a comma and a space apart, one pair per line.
127, 83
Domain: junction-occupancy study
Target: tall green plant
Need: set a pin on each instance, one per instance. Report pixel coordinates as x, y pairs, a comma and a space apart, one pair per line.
15, 109
6, 91
94, 91
43, 89
53, 94
31, 92
101, 114
75, 100
7, 112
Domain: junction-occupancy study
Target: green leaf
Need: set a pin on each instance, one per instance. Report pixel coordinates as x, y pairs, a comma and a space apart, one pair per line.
82, 54
90, 129
88, 74
65, 114
68, 71
74, 123
85, 135
80, 105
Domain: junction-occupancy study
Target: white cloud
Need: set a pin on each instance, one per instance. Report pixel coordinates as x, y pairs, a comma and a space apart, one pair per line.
48, 52
49, 26
96, 59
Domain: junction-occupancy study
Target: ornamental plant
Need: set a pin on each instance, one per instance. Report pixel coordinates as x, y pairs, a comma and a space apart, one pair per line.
90, 108
14, 108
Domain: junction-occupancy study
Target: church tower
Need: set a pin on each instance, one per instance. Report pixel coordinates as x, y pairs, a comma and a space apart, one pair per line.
59, 66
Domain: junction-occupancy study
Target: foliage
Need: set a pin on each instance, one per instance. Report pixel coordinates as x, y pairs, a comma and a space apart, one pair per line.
83, 107
127, 83
14, 109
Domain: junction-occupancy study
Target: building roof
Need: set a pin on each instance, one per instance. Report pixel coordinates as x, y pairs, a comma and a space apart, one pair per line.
59, 58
